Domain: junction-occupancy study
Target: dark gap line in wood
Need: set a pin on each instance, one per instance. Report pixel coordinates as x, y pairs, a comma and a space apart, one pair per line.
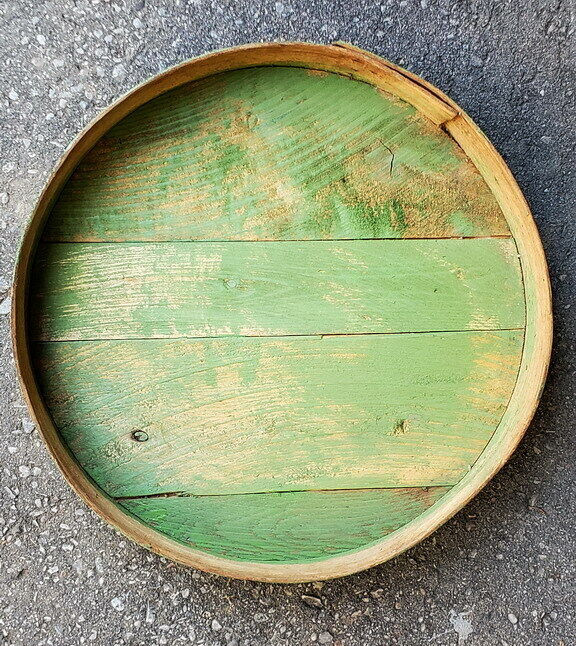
327, 240
186, 494
278, 336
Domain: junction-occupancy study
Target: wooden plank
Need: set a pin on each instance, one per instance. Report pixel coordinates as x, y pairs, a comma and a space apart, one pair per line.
145, 290
284, 527
246, 415
274, 153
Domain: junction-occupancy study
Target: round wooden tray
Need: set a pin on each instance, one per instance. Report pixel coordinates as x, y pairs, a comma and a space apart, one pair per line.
281, 311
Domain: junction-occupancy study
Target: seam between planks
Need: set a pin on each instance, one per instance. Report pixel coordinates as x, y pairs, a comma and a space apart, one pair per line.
278, 336
211, 240
188, 494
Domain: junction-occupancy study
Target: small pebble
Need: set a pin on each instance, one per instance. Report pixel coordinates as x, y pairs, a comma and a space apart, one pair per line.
313, 602
27, 426
325, 637
5, 306
149, 615
117, 604
118, 71
512, 618
216, 625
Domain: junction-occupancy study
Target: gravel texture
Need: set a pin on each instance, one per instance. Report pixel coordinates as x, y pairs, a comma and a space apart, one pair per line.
503, 571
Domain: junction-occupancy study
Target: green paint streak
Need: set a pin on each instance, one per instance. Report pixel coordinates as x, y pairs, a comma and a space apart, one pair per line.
274, 153
245, 415
277, 527
87, 291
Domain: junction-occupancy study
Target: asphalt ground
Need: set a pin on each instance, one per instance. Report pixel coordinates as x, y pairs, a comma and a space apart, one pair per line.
503, 571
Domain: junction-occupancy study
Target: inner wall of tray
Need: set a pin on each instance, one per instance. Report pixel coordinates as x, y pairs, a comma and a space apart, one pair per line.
276, 314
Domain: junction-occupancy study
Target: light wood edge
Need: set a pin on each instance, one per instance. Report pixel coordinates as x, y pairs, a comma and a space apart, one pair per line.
439, 108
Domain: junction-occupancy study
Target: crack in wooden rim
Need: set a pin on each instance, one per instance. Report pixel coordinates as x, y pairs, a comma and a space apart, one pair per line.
347, 60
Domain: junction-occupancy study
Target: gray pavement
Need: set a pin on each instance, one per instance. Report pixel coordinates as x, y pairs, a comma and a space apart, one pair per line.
503, 571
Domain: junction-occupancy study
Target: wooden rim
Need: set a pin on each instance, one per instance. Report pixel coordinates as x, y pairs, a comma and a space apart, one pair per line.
348, 60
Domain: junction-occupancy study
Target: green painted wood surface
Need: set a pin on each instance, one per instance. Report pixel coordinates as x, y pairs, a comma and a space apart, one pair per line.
263, 208
277, 528
247, 415
91, 291
275, 153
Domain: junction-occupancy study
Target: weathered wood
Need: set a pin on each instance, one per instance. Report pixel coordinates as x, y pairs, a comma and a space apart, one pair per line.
274, 153
535, 354
278, 527
99, 291
246, 415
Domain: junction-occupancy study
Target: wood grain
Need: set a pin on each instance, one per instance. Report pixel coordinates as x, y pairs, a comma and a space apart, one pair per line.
437, 107
100, 291
274, 153
277, 527
246, 415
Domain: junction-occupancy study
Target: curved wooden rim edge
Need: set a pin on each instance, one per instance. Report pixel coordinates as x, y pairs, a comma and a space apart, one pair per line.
346, 59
